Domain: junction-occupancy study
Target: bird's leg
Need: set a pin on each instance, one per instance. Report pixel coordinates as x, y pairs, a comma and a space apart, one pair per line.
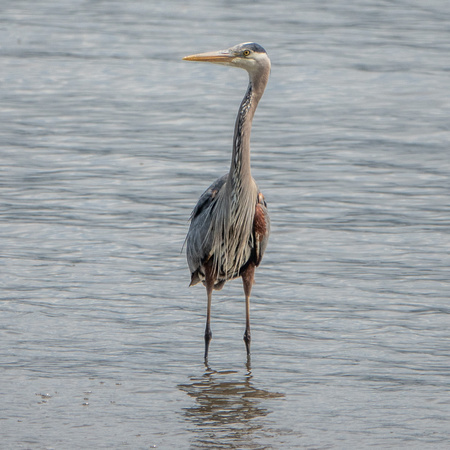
209, 281
248, 277
208, 334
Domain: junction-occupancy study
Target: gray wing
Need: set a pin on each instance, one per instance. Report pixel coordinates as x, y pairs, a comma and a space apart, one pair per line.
198, 246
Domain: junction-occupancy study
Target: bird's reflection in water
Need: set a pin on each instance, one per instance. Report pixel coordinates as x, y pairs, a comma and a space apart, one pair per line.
227, 409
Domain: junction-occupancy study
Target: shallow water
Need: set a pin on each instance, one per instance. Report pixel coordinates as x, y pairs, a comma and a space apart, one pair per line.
108, 138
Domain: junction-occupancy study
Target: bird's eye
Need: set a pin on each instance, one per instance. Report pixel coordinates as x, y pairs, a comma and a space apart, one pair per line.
246, 52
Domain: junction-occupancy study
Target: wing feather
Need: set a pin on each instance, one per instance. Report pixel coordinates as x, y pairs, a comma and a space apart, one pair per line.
198, 242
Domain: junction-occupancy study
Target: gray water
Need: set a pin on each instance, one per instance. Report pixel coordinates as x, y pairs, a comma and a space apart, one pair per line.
107, 139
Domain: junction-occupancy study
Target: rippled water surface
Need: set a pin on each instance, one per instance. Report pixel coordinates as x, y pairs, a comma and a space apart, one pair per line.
107, 138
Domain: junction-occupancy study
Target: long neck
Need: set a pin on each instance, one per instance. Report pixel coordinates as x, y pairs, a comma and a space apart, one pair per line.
231, 226
240, 171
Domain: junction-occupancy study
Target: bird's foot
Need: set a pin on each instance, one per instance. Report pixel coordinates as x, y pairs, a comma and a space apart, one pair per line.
208, 337
247, 340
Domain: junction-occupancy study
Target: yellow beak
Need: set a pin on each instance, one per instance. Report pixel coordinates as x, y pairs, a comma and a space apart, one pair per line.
214, 57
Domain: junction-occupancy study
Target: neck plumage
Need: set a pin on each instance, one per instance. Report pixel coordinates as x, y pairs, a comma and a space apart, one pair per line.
240, 170
232, 225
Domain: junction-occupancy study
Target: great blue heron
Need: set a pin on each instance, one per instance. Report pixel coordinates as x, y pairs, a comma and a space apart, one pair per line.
230, 224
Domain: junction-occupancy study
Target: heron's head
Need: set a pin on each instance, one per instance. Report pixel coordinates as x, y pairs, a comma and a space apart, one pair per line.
249, 56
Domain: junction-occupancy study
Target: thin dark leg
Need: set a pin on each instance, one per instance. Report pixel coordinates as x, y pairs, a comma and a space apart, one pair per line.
208, 333
248, 277
209, 288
